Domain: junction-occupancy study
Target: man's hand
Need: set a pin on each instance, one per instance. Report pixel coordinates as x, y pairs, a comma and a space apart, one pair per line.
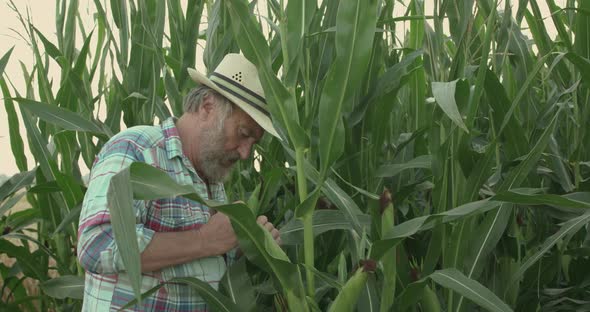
219, 232
263, 220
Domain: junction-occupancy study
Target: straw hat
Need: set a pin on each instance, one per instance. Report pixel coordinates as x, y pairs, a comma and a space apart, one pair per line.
237, 79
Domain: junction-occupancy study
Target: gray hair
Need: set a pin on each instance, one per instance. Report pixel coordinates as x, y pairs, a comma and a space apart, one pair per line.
195, 97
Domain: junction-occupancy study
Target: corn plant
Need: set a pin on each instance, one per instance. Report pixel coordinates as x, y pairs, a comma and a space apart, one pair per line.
443, 169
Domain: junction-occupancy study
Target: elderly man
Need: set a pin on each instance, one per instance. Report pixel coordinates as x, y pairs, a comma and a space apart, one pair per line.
177, 237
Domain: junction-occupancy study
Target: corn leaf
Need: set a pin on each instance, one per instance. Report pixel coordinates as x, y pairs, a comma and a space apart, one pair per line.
444, 93
120, 203
422, 162
62, 287
570, 227
16, 182
323, 221
4, 60
495, 223
455, 280
16, 141
541, 199
59, 116
355, 27
214, 298
238, 287
413, 226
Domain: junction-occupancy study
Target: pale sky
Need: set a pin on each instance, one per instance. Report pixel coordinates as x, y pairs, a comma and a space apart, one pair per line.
43, 16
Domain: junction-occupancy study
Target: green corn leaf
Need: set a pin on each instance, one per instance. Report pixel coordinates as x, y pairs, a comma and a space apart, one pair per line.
558, 165
323, 221
87, 147
308, 205
16, 141
570, 227
444, 93
71, 218
174, 96
410, 296
522, 92
422, 162
120, 203
219, 36
69, 31
4, 61
238, 287
120, 16
52, 203
582, 30
272, 184
59, 116
62, 287
516, 141
331, 281
79, 85
299, 15
413, 226
393, 78
556, 15
336, 195
582, 64
146, 294
67, 146
495, 223
252, 201
417, 82
369, 298
542, 38
16, 182
455, 280
519, 174
355, 27
214, 298
51, 49
149, 183
541, 199
483, 67
25, 260
260, 248
11, 202
459, 15
480, 174
45, 91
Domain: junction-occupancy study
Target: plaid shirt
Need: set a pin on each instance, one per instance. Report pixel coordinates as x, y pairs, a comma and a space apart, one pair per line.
107, 285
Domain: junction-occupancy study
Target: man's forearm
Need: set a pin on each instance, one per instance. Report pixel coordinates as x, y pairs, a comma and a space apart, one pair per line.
173, 248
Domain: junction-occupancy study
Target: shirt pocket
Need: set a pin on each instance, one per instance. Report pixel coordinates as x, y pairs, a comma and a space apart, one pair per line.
176, 214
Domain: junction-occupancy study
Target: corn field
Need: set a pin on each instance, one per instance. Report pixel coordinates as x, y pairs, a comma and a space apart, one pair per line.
443, 169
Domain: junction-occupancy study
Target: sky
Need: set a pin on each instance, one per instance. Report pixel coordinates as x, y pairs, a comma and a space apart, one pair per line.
42, 13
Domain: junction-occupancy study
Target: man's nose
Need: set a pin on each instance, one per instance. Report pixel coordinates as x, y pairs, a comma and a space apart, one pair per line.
244, 150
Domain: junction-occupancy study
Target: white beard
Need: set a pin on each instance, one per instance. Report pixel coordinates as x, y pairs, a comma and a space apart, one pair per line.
215, 162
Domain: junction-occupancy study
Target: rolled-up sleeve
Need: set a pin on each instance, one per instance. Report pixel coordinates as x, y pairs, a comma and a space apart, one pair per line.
97, 250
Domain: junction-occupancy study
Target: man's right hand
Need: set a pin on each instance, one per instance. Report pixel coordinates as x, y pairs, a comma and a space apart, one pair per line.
219, 234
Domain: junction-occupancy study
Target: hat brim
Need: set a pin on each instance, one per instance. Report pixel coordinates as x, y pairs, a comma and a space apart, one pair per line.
263, 120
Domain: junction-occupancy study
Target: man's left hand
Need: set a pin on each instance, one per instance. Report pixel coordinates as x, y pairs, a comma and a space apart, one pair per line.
263, 220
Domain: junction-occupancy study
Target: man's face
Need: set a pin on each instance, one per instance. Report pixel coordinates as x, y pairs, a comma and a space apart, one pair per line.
221, 147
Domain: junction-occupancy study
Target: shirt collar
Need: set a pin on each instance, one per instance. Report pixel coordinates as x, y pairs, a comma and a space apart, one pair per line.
171, 138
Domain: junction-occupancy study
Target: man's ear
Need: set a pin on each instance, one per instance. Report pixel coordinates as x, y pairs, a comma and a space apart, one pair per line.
207, 107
